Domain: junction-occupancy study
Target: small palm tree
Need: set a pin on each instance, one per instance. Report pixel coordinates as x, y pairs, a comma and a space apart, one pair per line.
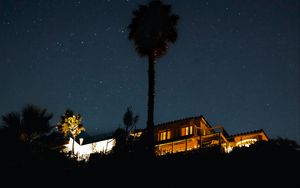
32, 123
129, 120
151, 29
70, 123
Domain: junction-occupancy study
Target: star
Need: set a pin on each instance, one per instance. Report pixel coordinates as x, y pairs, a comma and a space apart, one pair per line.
69, 95
226, 54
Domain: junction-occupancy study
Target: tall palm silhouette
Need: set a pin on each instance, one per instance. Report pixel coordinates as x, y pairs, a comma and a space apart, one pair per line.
32, 123
151, 29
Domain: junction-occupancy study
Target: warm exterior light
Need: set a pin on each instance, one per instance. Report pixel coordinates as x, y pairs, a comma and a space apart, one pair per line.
83, 151
195, 133
80, 141
246, 142
70, 123
228, 149
136, 134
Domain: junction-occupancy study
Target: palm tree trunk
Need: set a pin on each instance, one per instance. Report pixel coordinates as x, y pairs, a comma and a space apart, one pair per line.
151, 94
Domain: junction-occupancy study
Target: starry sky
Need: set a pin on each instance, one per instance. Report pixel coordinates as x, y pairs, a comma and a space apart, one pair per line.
235, 62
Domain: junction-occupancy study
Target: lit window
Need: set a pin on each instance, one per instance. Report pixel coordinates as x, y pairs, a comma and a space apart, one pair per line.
191, 129
163, 136
168, 134
183, 131
187, 131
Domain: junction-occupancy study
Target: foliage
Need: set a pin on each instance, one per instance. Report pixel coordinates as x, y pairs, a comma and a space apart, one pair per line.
120, 136
129, 120
124, 142
152, 28
32, 123
70, 123
286, 143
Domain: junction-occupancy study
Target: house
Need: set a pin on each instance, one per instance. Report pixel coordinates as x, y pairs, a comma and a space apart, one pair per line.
86, 145
175, 136
196, 133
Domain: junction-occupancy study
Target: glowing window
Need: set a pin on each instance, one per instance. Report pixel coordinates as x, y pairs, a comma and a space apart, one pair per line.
183, 131
186, 131
168, 134
191, 129
163, 136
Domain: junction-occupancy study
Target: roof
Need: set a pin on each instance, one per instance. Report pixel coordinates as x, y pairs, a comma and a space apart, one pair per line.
90, 139
250, 132
225, 133
183, 120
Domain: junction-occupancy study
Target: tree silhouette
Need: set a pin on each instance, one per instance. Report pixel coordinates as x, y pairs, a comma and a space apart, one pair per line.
120, 136
31, 124
151, 29
129, 120
70, 123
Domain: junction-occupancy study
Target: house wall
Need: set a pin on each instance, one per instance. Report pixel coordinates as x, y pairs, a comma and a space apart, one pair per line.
83, 151
197, 133
248, 139
185, 136
195, 126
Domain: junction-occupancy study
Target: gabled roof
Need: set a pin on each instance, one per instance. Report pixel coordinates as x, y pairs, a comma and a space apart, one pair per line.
91, 139
225, 133
250, 132
183, 120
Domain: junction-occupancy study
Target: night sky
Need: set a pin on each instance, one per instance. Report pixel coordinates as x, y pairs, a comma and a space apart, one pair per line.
235, 62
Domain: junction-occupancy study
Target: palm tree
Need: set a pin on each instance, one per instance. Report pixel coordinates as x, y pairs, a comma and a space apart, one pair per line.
151, 29
70, 123
31, 124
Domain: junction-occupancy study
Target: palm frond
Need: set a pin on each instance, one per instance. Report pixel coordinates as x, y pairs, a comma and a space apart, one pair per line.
152, 28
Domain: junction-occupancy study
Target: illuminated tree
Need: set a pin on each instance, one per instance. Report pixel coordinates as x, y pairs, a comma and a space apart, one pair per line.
151, 29
70, 124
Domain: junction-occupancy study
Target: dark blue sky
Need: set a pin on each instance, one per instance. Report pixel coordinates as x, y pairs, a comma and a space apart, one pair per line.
235, 62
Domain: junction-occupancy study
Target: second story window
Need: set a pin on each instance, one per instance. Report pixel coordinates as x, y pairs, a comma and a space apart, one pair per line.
165, 135
168, 134
162, 136
186, 131
190, 129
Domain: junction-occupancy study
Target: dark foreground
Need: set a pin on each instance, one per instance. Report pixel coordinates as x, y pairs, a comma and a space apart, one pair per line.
261, 165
